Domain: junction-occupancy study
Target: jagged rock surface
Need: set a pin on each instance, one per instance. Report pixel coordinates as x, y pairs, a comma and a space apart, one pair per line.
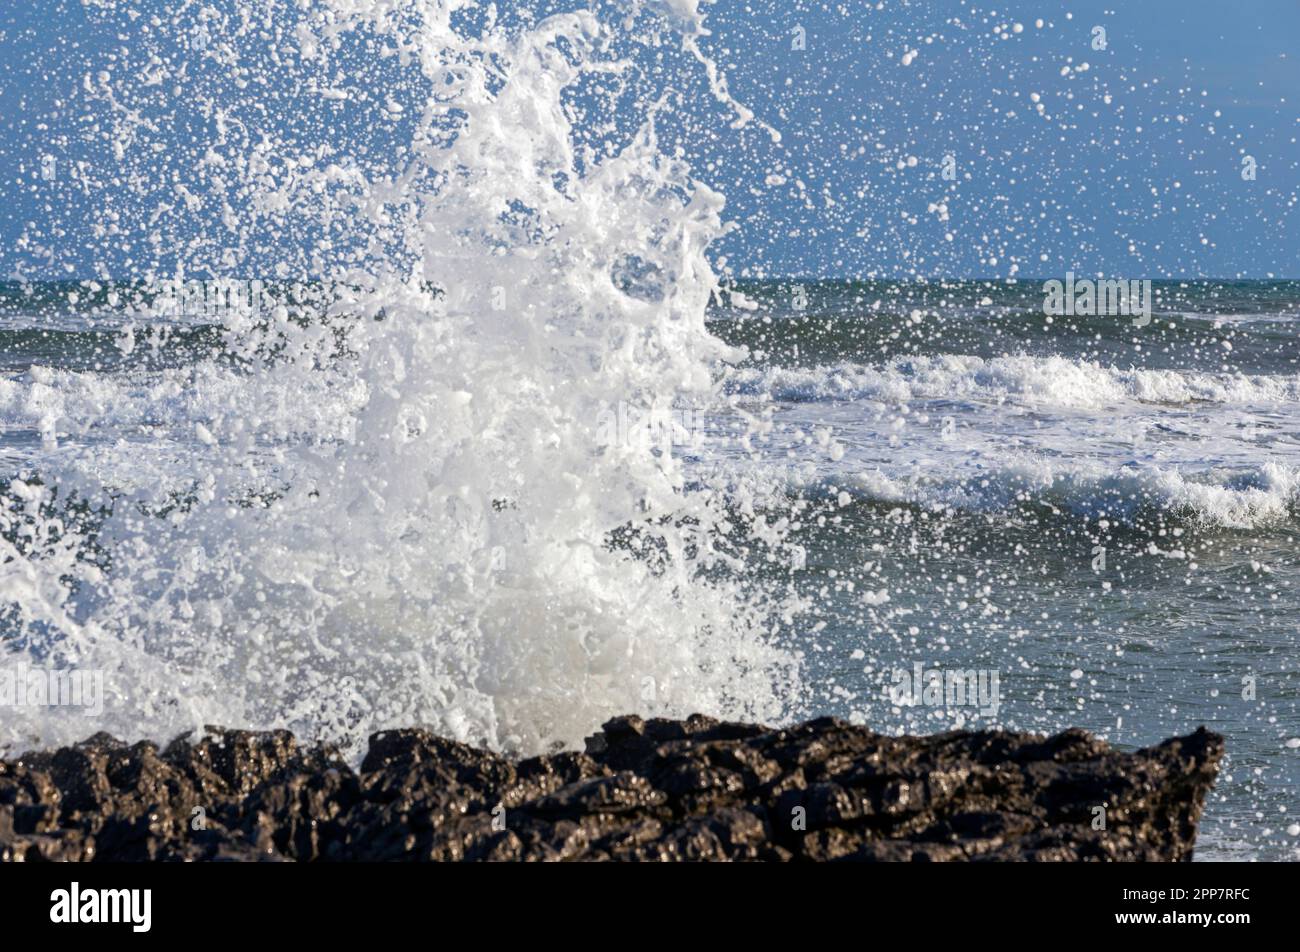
697, 789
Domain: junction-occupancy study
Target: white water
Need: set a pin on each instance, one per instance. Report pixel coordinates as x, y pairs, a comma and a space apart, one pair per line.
418, 533
1055, 381
973, 434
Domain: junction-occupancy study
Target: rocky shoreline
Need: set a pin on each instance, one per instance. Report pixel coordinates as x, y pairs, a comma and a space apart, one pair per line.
697, 789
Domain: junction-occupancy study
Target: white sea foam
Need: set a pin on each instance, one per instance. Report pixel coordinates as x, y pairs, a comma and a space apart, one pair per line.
419, 531
1238, 500
1053, 381
62, 405
985, 435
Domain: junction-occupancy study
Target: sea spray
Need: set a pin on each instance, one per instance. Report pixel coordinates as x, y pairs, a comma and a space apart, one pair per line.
403, 510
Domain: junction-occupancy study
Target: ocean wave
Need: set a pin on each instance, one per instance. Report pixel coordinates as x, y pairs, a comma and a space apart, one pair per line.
1248, 499
427, 539
1059, 382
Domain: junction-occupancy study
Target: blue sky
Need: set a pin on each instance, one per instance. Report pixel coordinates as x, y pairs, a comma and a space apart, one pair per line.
1125, 160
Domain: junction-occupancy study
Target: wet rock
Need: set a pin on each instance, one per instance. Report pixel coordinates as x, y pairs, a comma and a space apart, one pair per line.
643, 790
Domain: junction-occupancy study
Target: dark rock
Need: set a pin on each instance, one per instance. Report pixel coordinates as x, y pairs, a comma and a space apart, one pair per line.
648, 790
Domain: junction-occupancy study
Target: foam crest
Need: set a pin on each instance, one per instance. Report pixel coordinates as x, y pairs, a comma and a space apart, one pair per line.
1054, 381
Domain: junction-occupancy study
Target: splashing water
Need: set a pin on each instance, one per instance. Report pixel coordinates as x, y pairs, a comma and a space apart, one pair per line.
401, 504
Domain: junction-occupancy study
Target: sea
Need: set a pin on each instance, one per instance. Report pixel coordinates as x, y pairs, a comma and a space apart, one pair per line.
369, 365
1095, 519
